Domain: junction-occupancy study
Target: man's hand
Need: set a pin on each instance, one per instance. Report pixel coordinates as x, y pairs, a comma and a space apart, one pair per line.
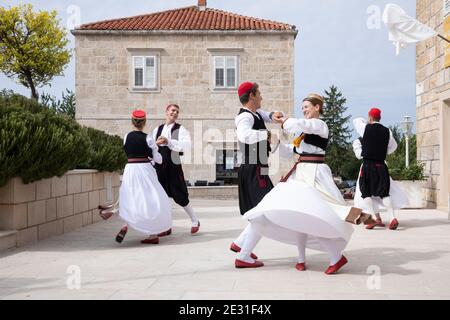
277, 116
161, 141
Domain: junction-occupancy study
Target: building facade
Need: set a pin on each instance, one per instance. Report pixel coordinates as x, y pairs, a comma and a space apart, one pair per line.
195, 57
433, 102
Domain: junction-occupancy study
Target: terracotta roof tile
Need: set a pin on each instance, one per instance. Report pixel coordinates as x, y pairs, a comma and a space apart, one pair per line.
190, 18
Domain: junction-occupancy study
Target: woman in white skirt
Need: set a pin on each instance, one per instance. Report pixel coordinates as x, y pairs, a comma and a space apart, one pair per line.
306, 209
143, 203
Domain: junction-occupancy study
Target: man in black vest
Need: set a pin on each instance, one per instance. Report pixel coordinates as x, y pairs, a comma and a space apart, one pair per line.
173, 139
254, 144
374, 180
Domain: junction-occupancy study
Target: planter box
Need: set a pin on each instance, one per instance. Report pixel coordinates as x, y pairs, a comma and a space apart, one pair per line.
36, 211
415, 193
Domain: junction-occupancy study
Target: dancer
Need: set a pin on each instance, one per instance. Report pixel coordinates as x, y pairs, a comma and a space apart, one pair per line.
375, 190
306, 209
143, 203
254, 144
173, 139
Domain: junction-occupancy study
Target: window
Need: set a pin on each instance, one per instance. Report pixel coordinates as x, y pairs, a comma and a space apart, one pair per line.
145, 72
225, 72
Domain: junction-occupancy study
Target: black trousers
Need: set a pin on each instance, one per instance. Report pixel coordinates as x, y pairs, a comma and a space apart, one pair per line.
374, 180
253, 186
171, 177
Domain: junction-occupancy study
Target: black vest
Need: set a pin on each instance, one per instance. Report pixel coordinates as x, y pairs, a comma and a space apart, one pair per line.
136, 145
375, 142
317, 141
257, 153
167, 154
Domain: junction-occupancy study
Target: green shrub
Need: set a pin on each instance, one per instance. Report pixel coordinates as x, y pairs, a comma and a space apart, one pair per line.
38, 143
396, 161
106, 151
65, 106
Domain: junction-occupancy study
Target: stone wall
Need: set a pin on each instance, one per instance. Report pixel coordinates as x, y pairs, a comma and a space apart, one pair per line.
433, 86
36, 211
105, 97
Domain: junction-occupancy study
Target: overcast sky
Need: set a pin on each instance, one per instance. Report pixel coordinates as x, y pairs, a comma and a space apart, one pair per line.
340, 42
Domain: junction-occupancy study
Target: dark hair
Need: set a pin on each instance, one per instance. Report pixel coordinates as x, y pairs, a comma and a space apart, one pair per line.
139, 123
245, 98
315, 101
376, 119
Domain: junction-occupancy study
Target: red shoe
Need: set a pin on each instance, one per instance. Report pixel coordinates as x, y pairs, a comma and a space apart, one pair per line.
334, 269
378, 224
106, 215
121, 235
150, 241
242, 264
165, 233
194, 230
300, 266
235, 248
394, 224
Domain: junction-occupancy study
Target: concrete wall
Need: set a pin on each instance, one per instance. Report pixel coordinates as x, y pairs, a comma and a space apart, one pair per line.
433, 103
105, 97
54, 206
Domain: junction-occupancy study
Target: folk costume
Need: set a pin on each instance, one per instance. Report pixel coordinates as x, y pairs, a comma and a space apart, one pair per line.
375, 190
254, 181
170, 171
143, 203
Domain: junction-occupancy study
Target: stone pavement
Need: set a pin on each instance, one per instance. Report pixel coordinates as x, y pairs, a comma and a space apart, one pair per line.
414, 263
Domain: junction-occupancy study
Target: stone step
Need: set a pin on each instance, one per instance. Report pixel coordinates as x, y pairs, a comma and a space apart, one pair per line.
8, 239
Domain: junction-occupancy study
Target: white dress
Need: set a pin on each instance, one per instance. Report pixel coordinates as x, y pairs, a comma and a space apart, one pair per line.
143, 203
308, 203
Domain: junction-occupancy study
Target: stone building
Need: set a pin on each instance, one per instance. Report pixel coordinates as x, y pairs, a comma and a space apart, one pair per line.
195, 57
433, 102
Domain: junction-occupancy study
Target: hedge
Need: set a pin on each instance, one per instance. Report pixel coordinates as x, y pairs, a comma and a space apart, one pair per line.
37, 143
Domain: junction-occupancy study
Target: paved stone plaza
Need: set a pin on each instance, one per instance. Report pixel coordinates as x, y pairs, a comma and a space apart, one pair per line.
414, 263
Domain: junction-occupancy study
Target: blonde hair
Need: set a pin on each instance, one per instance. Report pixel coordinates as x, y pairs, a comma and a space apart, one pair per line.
315, 99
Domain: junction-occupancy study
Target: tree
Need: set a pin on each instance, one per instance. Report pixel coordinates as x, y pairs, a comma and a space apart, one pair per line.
338, 153
396, 161
66, 106
32, 46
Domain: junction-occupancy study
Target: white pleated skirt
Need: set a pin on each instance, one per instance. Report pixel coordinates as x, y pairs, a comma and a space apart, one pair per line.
308, 203
399, 199
143, 203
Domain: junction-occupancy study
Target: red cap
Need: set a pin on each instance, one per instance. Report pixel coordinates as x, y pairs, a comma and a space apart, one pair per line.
139, 114
375, 113
245, 88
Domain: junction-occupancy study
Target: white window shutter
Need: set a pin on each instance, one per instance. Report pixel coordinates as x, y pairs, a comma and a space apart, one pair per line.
446, 7
150, 72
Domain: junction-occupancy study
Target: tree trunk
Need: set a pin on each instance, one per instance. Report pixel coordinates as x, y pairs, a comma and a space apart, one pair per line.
34, 93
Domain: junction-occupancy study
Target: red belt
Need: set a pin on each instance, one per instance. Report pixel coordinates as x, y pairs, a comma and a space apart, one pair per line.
305, 159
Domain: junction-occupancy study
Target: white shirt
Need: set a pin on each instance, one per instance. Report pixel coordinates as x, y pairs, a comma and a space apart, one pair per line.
244, 124
152, 145
184, 139
360, 127
308, 126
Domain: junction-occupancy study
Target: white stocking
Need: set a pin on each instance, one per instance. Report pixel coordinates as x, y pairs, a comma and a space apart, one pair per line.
390, 208
329, 245
250, 243
191, 214
301, 246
